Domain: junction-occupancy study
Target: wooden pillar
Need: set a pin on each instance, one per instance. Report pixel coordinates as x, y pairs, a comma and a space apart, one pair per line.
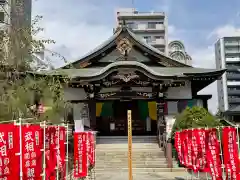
161, 124
169, 155
92, 113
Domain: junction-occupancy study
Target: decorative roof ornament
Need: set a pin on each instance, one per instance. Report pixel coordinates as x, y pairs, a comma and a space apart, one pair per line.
124, 46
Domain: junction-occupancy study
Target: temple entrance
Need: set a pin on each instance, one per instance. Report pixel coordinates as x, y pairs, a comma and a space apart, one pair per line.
116, 125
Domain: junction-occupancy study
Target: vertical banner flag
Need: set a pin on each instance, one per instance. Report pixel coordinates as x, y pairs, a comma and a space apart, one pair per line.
31, 149
230, 153
50, 150
195, 150
187, 147
184, 147
62, 150
80, 154
202, 151
91, 149
9, 162
213, 155
178, 146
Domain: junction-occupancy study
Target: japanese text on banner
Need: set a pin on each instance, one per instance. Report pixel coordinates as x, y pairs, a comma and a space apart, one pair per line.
80, 154
230, 151
32, 156
213, 155
8, 160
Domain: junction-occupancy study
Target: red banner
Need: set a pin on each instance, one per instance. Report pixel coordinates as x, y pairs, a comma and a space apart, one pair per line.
31, 149
91, 148
186, 136
202, 151
195, 150
9, 142
183, 136
80, 154
62, 150
213, 155
51, 152
178, 146
230, 153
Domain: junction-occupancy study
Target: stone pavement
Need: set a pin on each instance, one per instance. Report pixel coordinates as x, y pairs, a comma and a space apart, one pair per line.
123, 175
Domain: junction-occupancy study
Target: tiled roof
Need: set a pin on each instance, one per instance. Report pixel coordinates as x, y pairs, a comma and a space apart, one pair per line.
156, 71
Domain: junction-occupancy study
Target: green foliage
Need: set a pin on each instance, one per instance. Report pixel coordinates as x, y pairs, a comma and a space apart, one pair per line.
19, 89
194, 117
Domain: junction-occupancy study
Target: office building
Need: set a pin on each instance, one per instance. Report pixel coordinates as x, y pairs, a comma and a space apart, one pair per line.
227, 56
150, 26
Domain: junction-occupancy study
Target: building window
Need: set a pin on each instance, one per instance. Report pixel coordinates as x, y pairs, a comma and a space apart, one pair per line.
1, 17
131, 25
147, 38
158, 37
151, 25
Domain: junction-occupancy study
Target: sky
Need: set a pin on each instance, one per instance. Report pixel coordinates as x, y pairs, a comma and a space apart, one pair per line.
78, 26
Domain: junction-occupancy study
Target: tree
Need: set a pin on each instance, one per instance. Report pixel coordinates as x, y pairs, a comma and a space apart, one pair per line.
195, 117
21, 89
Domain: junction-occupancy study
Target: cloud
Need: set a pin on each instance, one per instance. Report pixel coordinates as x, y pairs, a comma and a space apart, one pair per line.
73, 29
226, 30
171, 30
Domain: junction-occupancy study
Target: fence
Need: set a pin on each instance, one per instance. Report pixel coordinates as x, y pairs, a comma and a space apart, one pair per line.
209, 153
38, 150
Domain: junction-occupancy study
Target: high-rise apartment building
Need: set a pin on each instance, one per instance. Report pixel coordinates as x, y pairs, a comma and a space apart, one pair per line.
227, 56
150, 26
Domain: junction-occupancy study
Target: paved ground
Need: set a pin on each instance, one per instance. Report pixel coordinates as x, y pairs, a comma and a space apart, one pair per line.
150, 176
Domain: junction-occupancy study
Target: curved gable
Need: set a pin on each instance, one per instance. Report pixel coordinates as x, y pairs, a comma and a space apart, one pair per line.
125, 35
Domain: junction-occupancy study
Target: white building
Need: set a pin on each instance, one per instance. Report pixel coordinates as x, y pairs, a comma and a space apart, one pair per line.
178, 52
151, 26
227, 56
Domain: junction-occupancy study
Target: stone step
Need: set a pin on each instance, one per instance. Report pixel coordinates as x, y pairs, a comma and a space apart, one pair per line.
124, 139
138, 170
134, 158
143, 151
125, 146
100, 166
134, 155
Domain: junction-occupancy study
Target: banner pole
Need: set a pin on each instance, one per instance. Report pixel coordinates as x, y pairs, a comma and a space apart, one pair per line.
20, 144
66, 160
221, 151
129, 114
44, 150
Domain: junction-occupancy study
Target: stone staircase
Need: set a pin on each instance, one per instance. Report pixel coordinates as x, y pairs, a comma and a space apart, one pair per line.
148, 160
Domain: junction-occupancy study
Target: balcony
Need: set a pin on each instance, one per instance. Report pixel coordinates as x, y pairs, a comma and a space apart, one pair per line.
233, 83
233, 92
232, 51
234, 76
233, 68
236, 43
158, 42
140, 15
234, 100
144, 27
